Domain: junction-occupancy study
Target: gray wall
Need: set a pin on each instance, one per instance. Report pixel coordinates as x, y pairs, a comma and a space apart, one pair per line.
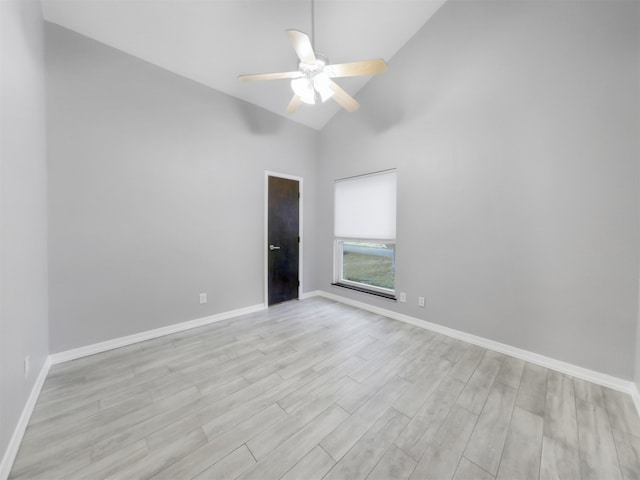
23, 210
637, 378
156, 194
514, 129
637, 366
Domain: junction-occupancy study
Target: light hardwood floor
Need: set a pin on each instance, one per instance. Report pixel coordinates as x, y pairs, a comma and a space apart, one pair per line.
314, 389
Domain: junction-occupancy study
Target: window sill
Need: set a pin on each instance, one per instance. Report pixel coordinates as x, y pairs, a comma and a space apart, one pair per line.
388, 296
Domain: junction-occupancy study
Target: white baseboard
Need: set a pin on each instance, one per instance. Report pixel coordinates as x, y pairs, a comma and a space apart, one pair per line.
557, 365
14, 444
305, 295
150, 334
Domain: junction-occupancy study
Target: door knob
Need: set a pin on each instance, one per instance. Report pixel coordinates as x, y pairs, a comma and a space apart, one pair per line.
271, 247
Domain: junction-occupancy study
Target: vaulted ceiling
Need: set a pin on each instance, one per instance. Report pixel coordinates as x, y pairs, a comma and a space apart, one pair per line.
214, 41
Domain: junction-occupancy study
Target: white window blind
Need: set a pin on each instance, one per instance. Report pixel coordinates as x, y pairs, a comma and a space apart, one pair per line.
365, 206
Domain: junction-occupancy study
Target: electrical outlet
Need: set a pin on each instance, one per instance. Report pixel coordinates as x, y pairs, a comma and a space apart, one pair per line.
203, 298
27, 366
403, 297
421, 301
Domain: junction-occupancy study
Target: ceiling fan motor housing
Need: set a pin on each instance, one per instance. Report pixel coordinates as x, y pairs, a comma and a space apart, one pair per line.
308, 68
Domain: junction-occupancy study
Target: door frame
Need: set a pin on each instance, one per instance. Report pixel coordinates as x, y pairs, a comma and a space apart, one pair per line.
267, 174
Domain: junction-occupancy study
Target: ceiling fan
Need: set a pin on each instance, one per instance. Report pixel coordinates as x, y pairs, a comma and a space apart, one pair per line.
313, 79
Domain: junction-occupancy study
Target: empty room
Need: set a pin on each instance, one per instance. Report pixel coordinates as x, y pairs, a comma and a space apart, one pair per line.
320, 239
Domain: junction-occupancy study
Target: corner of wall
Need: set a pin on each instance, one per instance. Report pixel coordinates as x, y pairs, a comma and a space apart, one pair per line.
23, 234
14, 444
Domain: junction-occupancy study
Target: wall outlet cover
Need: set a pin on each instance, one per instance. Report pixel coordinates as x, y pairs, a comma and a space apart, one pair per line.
421, 301
203, 298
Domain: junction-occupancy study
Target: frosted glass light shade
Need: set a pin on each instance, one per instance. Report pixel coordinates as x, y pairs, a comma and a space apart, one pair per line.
365, 207
304, 89
321, 83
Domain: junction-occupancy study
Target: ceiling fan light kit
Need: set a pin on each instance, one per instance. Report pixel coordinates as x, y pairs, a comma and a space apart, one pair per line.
313, 79
314, 82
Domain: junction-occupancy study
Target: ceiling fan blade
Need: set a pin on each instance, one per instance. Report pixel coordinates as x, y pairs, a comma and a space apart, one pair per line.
270, 76
355, 69
342, 98
302, 46
294, 104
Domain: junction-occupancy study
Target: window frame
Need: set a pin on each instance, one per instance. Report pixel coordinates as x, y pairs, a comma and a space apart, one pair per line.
338, 268
362, 215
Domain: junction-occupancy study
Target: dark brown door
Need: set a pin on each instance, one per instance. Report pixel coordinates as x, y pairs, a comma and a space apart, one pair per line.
283, 245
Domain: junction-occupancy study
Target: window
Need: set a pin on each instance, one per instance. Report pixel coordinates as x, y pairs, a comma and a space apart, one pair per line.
365, 233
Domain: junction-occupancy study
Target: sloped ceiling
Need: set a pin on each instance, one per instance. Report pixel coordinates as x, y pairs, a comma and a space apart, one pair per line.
214, 41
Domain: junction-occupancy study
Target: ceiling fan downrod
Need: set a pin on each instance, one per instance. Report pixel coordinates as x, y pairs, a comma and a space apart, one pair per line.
313, 26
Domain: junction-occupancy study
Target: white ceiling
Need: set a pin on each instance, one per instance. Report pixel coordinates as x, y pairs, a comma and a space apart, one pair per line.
214, 41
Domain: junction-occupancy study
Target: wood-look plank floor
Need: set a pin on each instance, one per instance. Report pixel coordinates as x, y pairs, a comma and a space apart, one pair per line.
318, 390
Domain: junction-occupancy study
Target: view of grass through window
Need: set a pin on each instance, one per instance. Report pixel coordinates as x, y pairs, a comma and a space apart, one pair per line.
369, 263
